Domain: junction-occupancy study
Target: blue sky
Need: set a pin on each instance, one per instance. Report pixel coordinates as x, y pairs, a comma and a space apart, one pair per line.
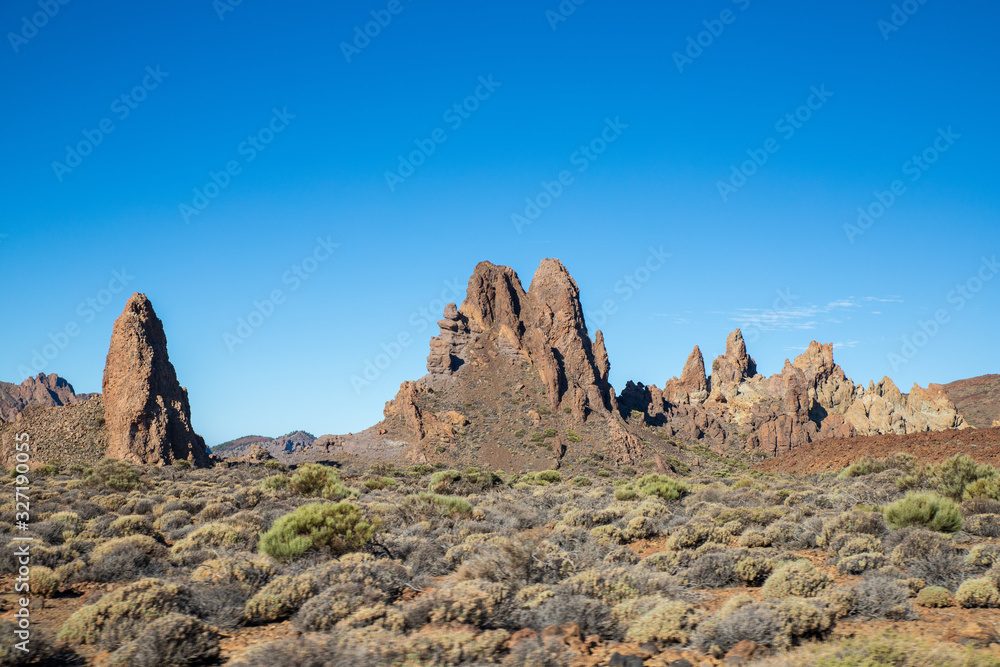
741, 138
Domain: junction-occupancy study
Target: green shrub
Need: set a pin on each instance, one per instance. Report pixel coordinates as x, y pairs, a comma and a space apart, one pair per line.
313, 480
924, 509
330, 528
274, 483
935, 597
661, 486
626, 493
443, 505
860, 563
573, 436
948, 478
549, 476
977, 593
582, 481
983, 488
42, 581
798, 579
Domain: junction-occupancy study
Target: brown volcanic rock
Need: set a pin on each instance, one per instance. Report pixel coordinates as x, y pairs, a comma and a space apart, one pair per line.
732, 368
977, 399
147, 411
507, 362
692, 387
46, 390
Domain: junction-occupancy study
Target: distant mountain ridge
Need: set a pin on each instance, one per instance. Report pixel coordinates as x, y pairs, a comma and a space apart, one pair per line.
285, 444
50, 391
978, 399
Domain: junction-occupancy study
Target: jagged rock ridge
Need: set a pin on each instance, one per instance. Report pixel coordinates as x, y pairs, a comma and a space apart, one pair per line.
46, 390
810, 399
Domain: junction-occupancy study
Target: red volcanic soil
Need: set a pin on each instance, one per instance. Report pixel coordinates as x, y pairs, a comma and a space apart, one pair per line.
836, 454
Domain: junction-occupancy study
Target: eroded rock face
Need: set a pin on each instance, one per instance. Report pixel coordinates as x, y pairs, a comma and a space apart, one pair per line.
147, 412
50, 391
810, 399
543, 327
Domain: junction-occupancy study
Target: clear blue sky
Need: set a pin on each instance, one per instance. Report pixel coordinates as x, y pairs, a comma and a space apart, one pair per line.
213, 83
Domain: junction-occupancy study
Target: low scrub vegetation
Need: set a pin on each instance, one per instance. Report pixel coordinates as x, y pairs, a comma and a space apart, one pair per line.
425, 565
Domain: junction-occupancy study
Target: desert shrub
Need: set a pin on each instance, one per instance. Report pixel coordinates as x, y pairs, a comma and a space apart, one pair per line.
114, 474
274, 483
797, 579
132, 524
980, 506
169, 522
335, 604
442, 481
540, 652
759, 517
69, 523
854, 522
668, 623
329, 528
928, 556
860, 563
982, 556
772, 623
713, 570
43, 581
978, 593
754, 538
663, 487
924, 509
880, 596
610, 585
582, 481
693, 535
313, 480
983, 525
851, 545
573, 436
548, 477
626, 493
142, 601
202, 542
593, 616
120, 559
883, 650
450, 506
470, 602
935, 597
948, 478
215, 510
175, 640
868, 466
753, 569
36, 647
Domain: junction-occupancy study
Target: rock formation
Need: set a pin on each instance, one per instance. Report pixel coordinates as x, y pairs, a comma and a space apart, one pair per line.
508, 345
810, 399
147, 411
46, 390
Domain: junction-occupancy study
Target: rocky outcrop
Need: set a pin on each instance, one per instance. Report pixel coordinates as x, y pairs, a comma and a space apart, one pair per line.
692, 386
45, 390
810, 399
147, 411
543, 327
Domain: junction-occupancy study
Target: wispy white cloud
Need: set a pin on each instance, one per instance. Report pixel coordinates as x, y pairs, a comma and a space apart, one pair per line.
801, 317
